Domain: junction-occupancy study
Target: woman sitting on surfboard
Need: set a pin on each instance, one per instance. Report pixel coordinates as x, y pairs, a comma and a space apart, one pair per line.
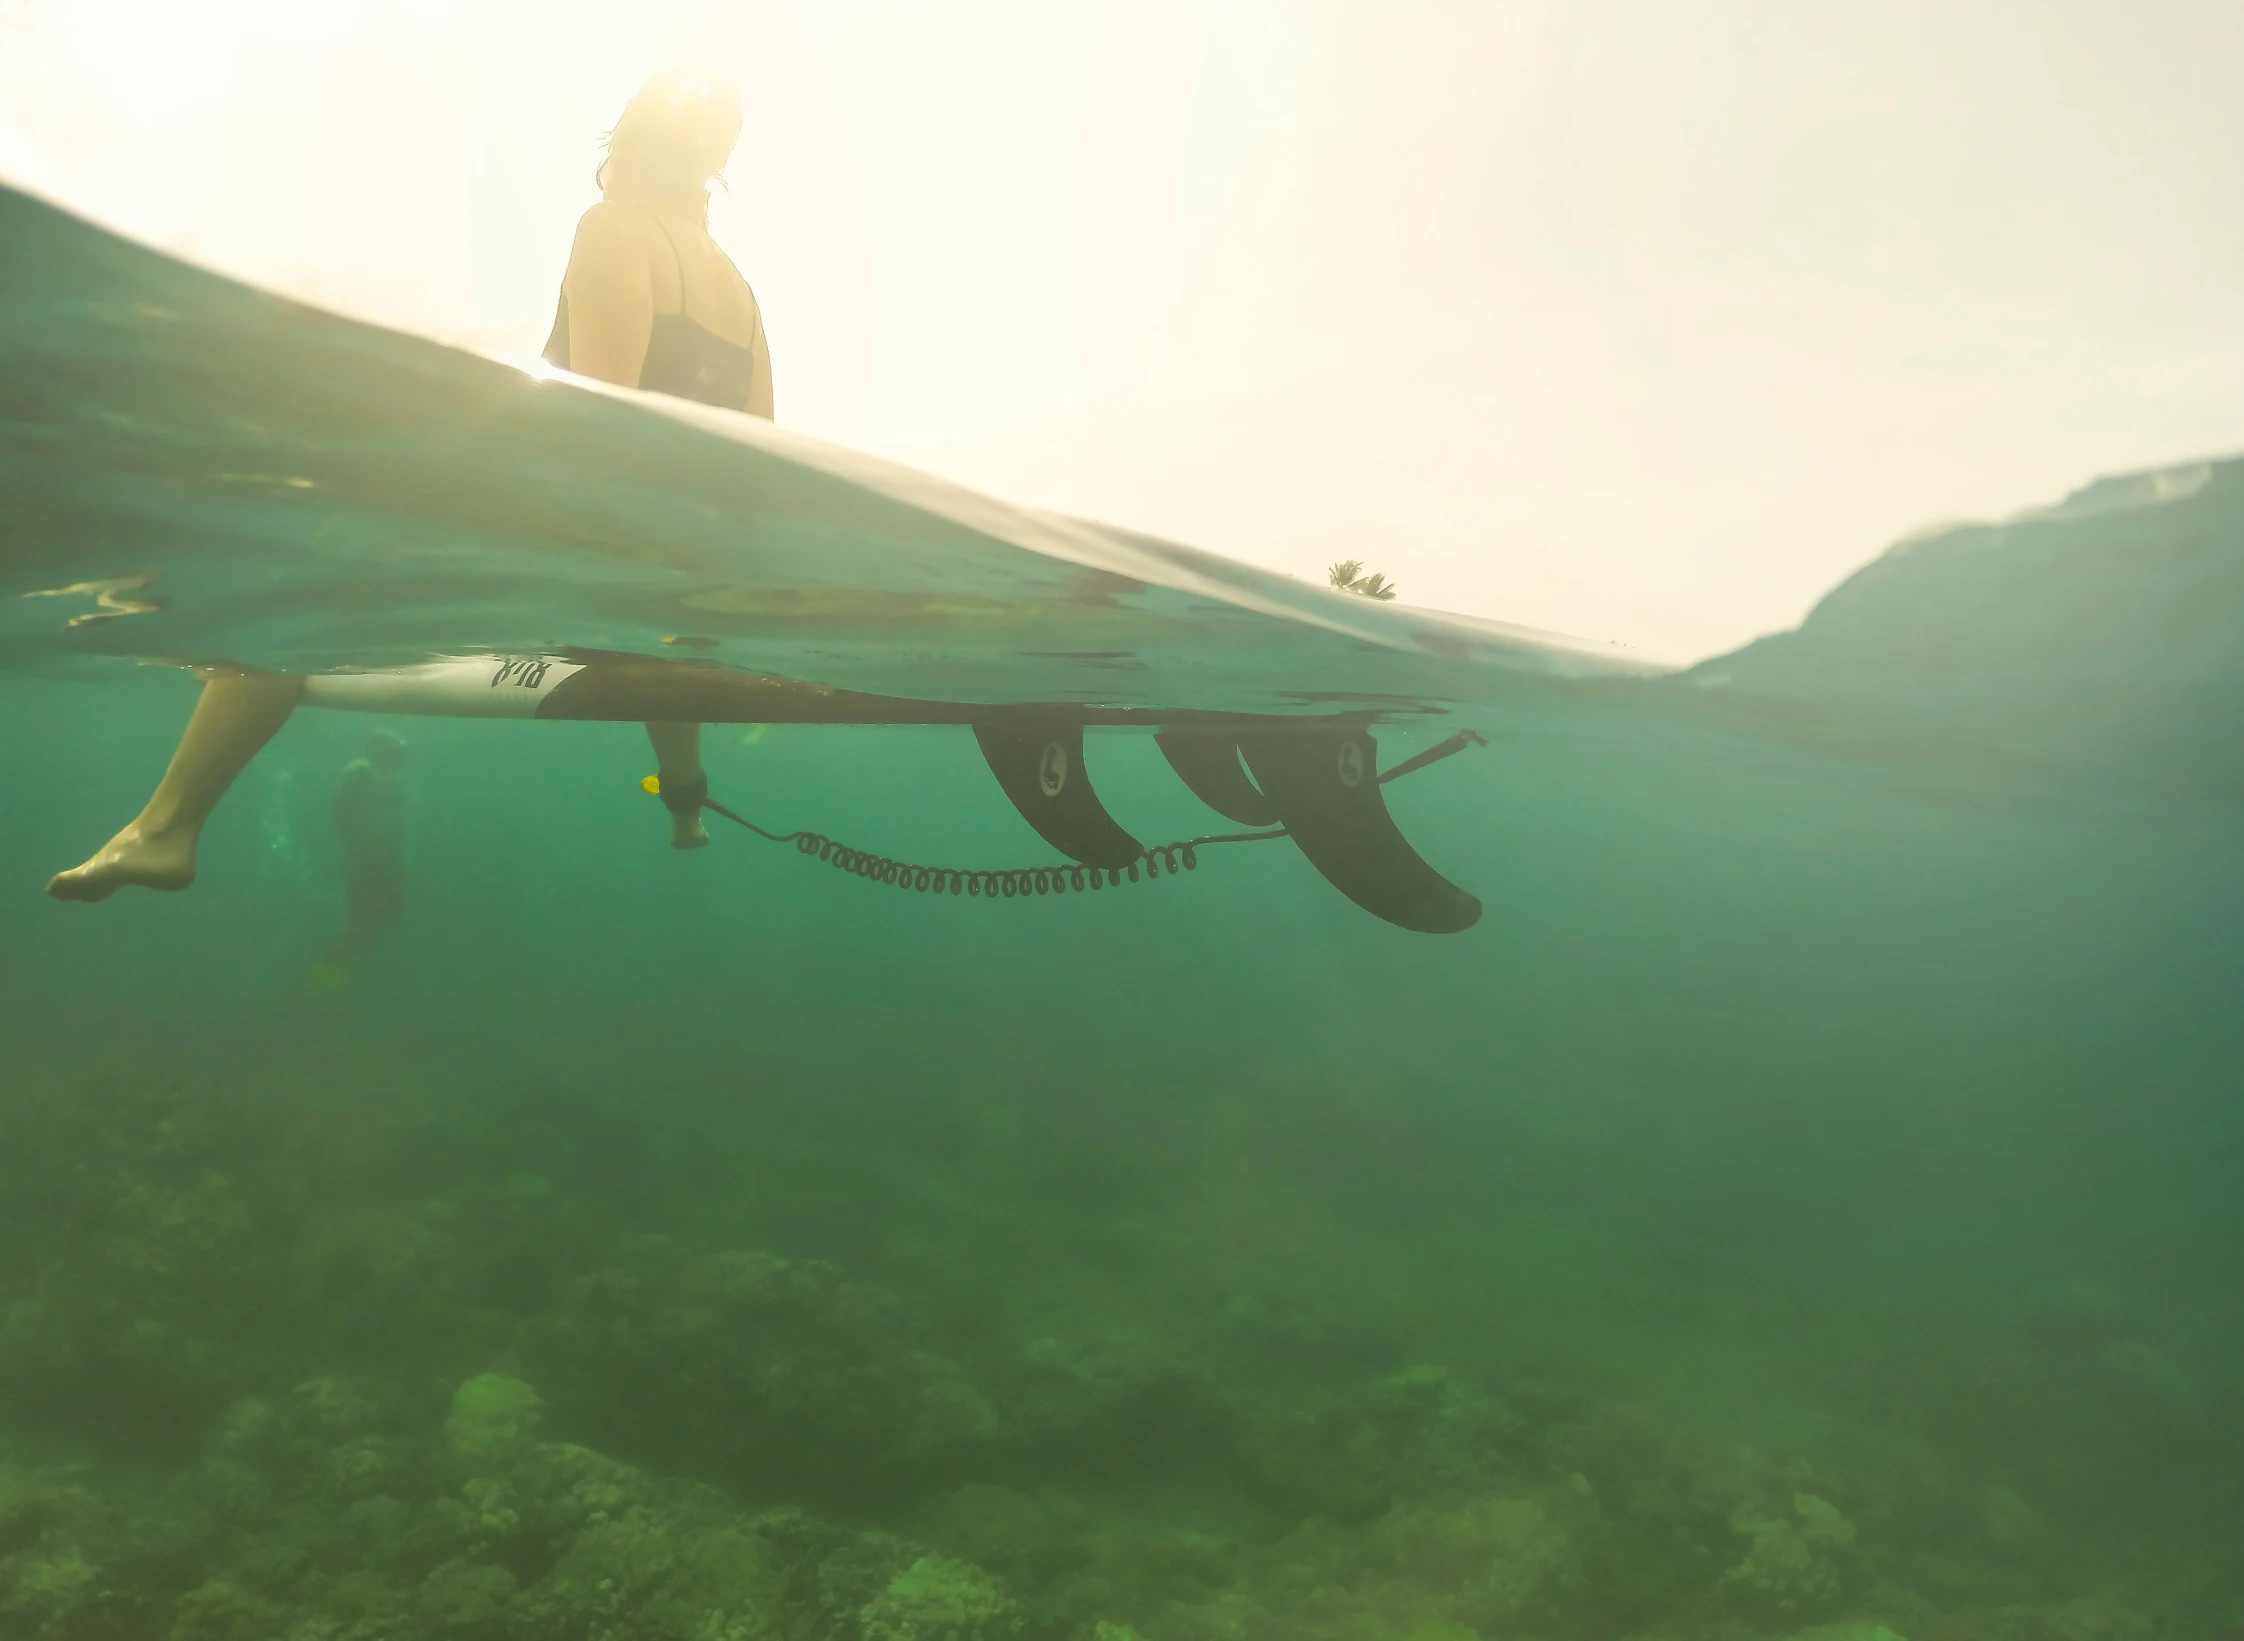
649, 301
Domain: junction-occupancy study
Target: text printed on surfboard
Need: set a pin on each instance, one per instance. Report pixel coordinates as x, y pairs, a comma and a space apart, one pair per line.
468, 686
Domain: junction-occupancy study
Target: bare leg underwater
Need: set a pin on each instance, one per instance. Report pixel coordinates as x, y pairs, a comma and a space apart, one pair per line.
677, 749
237, 713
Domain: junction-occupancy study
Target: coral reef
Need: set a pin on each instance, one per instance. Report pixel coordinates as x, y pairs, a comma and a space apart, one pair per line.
1352, 1454
490, 1412
763, 1370
938, 1599
264, 1382
1791, 1563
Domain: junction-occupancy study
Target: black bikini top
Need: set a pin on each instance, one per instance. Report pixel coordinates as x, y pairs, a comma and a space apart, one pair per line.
684, 358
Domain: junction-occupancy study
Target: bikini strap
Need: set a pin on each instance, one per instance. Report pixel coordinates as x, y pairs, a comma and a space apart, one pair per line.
676, 261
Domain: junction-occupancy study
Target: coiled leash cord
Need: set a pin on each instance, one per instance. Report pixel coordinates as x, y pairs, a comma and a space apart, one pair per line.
1019, 881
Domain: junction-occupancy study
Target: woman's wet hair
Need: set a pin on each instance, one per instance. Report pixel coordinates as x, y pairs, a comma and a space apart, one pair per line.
673, 138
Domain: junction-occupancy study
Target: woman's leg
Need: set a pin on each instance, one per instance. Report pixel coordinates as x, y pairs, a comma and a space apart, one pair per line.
238, 713
677, 750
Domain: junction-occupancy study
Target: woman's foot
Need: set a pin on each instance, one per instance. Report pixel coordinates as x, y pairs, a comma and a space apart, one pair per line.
686, 830
136, 857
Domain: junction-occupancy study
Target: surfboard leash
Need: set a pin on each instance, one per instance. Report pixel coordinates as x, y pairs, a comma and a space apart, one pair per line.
1017, 882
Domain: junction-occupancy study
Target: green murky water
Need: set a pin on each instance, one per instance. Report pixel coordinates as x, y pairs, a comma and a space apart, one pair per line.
1806, 1202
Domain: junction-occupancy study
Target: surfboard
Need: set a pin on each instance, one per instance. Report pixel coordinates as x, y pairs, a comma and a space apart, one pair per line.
1315, 778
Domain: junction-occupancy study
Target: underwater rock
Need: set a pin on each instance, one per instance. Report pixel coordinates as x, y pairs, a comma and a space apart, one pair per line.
1075, 1560
84, 1559
1012, 1531
330, 1406
2090, 1618
1505, 1560
2083, 1410
1494, 1566
1128, 1473
282, 1531
464, 1599
491, 1411
1791, 1565
1114, 1401
237, 1454
1651, 1517
331, 1438
756, 1369
369, 1467
145, 1281
662, 1575
1355, 1454
339, 1513
221, 1611
938, 1599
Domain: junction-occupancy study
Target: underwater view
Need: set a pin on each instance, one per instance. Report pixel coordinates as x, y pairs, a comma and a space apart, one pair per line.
1742, 1153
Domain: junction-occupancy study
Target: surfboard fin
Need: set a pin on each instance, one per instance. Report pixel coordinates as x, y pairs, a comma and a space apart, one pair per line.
1324, 787
1041, 770
1209, 764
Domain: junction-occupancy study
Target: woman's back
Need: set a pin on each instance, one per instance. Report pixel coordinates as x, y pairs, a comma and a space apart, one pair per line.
651, 301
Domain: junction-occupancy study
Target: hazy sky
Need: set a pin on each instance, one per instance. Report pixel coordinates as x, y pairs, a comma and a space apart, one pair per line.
1639, 319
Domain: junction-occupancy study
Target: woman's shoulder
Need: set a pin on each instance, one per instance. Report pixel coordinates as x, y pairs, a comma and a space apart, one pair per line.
614, 247
611, 223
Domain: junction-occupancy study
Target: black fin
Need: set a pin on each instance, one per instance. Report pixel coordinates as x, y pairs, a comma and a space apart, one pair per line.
1325, 788
1042, 771
1209, 764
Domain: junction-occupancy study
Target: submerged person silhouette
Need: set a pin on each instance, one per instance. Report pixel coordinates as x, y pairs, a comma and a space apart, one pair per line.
649, 301
370, 826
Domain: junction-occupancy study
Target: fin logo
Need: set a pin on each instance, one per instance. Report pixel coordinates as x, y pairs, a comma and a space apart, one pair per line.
1350, 765
1051, 769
